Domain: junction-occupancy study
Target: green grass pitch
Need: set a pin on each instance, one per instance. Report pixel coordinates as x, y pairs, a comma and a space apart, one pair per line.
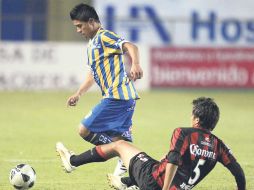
31, 124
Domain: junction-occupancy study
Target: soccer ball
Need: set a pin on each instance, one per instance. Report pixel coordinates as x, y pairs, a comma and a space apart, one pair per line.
22, 177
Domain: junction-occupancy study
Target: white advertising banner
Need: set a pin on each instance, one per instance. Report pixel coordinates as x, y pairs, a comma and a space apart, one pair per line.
48, 66
180, 22
29, 66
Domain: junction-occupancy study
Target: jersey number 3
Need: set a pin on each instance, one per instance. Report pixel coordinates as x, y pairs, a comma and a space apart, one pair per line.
196, 170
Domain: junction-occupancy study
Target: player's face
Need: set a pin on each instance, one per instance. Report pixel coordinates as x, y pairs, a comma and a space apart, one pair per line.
194, 121
84, 28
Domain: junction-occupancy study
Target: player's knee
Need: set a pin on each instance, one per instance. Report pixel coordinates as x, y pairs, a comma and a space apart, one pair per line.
83, 131
119, 144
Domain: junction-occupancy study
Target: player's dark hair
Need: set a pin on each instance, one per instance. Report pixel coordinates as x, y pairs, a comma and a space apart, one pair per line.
84, 12
207, 111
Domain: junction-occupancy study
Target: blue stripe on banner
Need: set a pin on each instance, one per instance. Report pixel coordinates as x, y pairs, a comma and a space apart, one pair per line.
101, 64
120, 90
110, 19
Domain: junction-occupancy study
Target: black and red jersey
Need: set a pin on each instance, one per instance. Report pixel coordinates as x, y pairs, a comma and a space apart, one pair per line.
196, 151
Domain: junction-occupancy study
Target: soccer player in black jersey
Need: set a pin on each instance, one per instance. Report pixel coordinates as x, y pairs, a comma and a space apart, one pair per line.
192, 155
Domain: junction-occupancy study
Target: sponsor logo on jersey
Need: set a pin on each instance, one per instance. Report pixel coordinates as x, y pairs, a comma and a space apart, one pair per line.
96, 46
207, 139
197, 151
206, 143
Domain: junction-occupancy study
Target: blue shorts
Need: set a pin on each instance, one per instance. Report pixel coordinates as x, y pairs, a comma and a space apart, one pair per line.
111, 116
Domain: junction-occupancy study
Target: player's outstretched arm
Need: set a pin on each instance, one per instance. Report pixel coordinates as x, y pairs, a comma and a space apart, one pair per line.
72, 100
136, 70
238, 173
169, 175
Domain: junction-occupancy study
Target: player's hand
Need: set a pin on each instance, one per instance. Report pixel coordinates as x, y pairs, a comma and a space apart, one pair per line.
72, 101
136, 72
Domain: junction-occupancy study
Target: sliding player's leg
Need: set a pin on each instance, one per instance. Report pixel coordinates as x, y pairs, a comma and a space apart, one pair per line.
98, 154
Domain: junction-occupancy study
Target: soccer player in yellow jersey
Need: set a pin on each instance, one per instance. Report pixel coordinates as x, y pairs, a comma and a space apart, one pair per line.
111, 119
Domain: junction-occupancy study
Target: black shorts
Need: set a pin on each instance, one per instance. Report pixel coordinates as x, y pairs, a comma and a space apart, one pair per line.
140, 171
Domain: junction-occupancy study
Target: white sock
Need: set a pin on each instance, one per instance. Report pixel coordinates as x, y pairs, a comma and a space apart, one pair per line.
120, 168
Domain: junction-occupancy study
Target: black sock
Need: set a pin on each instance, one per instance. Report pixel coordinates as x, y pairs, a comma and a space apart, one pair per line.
86, 157
127, 181
98, 138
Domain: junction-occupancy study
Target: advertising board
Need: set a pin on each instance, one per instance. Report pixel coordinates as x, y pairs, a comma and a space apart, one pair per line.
202, 67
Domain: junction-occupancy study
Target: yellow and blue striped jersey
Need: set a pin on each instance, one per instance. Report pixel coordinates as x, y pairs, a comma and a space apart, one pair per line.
106, 60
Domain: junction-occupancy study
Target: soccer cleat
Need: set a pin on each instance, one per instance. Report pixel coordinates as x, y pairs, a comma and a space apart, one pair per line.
120, 168
133, 187
115, 182
65, 155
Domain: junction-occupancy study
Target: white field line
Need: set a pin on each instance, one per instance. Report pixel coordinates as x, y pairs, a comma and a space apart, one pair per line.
31, 160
